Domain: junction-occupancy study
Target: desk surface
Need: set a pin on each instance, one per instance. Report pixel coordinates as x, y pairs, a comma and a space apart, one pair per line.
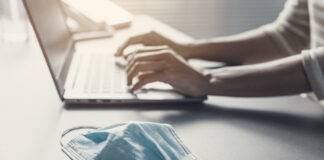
32, 116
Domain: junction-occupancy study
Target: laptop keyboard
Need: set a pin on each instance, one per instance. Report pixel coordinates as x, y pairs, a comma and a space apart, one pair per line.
104, 76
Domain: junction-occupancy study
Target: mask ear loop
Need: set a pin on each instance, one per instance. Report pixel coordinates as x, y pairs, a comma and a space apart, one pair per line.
74, 129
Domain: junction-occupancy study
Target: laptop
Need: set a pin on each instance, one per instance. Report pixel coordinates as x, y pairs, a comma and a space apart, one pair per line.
91, 75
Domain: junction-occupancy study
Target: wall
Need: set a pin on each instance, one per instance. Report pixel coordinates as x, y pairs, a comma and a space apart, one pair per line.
208, 18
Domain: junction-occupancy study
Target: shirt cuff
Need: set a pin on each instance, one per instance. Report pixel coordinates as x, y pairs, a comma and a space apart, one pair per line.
314, 72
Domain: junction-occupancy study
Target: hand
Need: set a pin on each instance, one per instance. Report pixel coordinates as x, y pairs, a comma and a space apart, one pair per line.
152, 39
166, 66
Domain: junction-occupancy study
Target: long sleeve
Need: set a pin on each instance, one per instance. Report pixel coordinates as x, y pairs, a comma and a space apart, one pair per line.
314, 67
291, 31
301, 27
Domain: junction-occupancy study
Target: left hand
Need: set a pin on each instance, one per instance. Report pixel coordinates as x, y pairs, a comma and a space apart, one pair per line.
166, 66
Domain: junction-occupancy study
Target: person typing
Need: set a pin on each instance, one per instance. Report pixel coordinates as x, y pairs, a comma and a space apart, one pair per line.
282, 58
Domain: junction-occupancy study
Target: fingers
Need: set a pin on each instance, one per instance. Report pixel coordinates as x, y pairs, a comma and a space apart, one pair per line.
130, 41
144, 49
144, 67
139, 39
147, 78
162, 55
148, 66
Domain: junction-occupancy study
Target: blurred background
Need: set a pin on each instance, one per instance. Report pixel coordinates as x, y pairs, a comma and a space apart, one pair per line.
13, 21
208, 18
198, 18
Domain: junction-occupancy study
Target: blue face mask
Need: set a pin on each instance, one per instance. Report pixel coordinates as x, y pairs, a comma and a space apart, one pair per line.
130, 141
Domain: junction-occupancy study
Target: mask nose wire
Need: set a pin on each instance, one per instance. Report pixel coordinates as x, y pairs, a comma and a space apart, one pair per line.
74, 129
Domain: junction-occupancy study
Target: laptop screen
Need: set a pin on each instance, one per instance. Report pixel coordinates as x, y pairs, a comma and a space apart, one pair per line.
55, 39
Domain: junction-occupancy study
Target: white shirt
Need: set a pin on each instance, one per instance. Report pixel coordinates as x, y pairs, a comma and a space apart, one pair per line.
300, 30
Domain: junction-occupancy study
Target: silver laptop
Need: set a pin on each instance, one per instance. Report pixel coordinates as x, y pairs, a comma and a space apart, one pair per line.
87, 76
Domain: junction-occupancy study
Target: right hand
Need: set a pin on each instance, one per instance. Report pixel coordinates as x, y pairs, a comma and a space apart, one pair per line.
165, 65
152, 39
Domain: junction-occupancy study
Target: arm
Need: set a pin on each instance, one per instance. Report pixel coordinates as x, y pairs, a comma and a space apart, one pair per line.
247, 48
279, 77
289, 34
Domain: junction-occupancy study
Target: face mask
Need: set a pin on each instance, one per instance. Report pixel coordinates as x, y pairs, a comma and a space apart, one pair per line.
129, 141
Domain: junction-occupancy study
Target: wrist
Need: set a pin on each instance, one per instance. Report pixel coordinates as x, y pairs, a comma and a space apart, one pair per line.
186, 50
206, 84
200, 49
219, 82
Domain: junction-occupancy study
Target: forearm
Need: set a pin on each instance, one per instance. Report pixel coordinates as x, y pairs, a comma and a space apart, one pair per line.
280, 77
246, 48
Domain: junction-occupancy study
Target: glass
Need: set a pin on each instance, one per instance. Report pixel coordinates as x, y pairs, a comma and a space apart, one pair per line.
13, 21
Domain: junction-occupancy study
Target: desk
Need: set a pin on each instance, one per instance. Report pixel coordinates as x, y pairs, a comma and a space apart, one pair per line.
32, 116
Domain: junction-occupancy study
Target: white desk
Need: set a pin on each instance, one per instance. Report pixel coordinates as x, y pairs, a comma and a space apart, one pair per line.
32, 115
